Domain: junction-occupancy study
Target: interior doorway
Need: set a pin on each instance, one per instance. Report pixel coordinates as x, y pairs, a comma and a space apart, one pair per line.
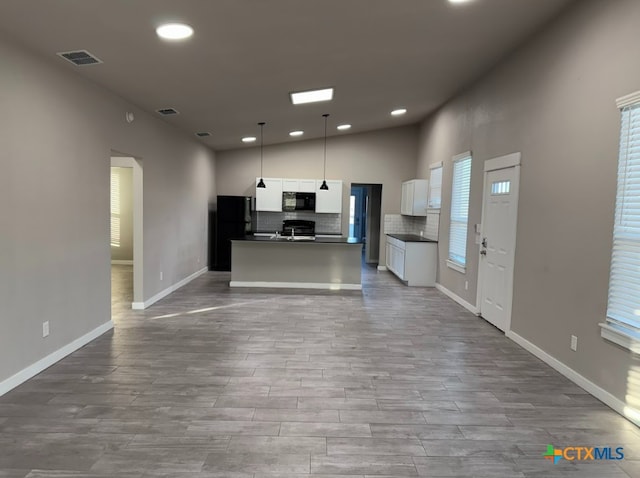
126, 233
365, 210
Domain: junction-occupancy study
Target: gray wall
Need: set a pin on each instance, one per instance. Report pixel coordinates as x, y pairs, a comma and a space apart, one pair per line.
385, 157
124, 250
553, 100
57, 132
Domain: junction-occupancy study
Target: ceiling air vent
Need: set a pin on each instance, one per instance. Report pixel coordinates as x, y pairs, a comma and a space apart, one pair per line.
80, 57
203, 134
167, 111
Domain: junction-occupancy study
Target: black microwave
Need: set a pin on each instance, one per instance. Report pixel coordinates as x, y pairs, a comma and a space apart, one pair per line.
293, 201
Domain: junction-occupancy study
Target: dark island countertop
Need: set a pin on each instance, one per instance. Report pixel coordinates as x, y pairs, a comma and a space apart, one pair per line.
306, 240
410, 238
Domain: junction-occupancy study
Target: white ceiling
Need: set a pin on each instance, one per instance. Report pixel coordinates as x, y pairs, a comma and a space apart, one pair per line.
247, 55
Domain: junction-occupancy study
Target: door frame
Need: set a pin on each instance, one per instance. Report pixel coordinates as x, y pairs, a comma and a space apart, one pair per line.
511, 160
138, 242
373, 220
360, 210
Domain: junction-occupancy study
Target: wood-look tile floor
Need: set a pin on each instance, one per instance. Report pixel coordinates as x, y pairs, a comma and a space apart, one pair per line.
391, 382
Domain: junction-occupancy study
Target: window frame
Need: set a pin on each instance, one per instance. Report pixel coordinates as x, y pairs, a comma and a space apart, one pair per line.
621, 330
115, 208
437, 189
452, 261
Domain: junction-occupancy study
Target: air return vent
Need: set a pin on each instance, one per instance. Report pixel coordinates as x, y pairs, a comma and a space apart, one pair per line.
167, 111
203, 134
80, 57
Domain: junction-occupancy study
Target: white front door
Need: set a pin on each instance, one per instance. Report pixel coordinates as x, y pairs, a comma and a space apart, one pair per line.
500, 213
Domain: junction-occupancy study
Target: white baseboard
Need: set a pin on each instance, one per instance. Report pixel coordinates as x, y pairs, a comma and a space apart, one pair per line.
470, 307
120, 262
383, 268
598, 392
46, 362
297, 285
167, 291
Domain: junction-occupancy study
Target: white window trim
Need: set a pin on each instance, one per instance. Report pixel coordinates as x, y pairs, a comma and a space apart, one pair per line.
611, 330
456, 267
433, 166
620, 336
451, 264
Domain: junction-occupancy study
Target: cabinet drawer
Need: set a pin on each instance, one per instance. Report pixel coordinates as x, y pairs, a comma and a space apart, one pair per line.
396, 242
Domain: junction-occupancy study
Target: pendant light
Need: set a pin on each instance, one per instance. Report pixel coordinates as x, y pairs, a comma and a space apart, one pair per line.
324, 186
261, 183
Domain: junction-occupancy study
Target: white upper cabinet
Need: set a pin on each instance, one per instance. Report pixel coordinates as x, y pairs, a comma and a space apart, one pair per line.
307, 185
290, 185
414, 197
299, 185
329, 201
270, 197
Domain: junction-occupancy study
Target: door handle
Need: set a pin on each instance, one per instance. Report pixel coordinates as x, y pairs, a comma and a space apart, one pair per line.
484, 242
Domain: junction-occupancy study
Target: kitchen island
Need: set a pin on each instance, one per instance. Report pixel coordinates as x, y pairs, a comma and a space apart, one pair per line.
332, 263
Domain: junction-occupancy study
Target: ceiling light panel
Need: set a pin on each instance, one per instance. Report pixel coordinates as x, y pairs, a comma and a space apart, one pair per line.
311, 96
296, 133
248, 139
343, 127
174, 31
399, 112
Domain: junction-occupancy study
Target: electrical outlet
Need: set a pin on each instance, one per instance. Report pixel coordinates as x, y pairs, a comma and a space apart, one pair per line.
574, 343
45, 328
161, 275
466, 285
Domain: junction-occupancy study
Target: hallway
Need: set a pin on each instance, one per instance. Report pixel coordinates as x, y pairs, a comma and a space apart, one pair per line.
213, 382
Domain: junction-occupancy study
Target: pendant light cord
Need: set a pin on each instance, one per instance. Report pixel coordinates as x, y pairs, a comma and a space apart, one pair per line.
261, 145
326, 115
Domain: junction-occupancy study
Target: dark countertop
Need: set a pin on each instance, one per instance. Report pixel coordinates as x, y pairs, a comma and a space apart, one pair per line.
317, 240
410, 238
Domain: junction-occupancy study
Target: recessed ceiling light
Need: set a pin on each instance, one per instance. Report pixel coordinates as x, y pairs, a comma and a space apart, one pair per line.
343, 127
311, 96
296, 133
459, 1
399, 112
174, 31
248, 139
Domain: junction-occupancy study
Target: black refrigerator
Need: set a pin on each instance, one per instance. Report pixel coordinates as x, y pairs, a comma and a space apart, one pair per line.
232, 219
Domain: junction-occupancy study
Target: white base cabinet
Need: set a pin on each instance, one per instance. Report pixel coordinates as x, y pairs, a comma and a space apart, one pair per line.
415, 263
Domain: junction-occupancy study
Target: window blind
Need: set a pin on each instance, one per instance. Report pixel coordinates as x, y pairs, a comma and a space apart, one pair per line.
115, 208
460, 210
623, 309
435, 187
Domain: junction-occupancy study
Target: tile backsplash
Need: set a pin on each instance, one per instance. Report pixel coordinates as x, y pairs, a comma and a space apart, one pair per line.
272, 221
399, 224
